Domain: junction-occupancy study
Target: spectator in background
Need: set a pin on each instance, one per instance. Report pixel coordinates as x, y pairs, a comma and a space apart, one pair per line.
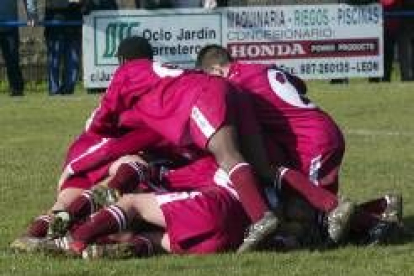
89, 6
10, 40
159, 4
391, 32
98, 5
193, 3
406, 43
63, 45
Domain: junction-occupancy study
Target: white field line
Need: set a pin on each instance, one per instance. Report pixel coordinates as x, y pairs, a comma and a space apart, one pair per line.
368, 132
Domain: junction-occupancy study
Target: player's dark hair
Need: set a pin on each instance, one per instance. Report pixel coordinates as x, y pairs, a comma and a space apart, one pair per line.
134, 47
212, 54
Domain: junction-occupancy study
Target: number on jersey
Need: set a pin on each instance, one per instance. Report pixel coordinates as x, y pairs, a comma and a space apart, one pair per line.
166, 70
286, 90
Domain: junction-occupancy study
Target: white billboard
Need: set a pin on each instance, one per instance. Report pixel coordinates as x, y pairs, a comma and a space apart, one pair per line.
312, 41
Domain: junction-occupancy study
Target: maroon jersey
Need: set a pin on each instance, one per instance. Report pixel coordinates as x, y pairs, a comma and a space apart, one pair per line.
99, 143
130, 81
185, 108
308, 135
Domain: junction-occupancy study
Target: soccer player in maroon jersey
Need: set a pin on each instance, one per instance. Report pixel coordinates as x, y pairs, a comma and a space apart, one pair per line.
302, 138
188, 107
184, 107
201, 214
89, 157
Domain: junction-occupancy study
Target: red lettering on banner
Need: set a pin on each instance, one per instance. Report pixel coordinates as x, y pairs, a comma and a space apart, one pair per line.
304, 49
265, 50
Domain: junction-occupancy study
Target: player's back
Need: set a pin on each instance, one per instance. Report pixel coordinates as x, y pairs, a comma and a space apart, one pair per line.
167, 108
130, 81
282, 108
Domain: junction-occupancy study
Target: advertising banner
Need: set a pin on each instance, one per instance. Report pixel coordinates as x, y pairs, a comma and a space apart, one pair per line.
312, 41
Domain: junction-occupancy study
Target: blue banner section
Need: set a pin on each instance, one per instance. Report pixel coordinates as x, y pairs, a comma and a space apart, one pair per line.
56, 23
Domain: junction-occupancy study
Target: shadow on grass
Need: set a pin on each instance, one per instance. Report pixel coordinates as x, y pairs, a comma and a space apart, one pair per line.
408, 230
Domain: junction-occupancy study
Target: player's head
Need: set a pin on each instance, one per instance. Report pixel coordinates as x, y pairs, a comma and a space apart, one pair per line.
214, 59
134, 47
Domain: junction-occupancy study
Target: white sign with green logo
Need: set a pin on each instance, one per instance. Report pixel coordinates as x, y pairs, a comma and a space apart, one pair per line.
313, 41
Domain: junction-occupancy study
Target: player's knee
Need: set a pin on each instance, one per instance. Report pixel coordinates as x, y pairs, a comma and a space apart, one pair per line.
127, 201
66, 197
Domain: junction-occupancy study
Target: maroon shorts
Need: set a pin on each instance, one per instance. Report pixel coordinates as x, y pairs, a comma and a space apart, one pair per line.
206, 221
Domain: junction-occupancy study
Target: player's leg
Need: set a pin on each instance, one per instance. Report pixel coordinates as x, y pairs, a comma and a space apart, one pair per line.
113, 219
212, 126
39, 227
319, 198
94, 154
72, 190
197, 222
335, 214
323, 171
117, 218
129, 173
287, 179
223, 146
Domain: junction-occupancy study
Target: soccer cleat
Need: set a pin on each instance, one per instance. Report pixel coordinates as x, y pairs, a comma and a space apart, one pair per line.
394, 211
258, 232
76, 248
339, 221
391, 224
64, 245
111, 251
26, 244
282, 243
59, 224
382, 233
104, 196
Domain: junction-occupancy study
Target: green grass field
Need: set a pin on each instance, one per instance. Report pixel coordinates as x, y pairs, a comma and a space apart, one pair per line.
377, 120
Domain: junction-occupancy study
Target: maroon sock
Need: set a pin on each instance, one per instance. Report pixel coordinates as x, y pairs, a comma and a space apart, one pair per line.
82, 206
376, 206
38, 228
107, 221
318, 197
128, 176
248, 189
